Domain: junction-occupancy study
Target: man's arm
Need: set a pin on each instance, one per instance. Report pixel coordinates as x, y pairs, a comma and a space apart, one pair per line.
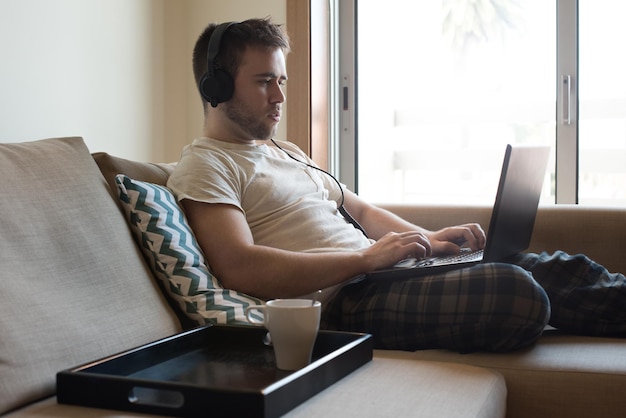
226, 240
378, 223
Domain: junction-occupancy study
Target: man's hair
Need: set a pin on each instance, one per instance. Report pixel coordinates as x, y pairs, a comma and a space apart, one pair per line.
260, 33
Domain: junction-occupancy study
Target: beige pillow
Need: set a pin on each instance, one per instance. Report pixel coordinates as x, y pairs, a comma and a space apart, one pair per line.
73, 285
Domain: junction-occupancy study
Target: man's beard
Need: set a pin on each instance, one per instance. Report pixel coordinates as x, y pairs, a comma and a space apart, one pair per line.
236, 111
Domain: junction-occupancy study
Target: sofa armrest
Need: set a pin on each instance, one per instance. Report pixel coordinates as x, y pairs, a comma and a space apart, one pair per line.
599, 232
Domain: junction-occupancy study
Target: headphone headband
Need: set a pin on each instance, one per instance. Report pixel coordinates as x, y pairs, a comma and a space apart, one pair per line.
214, 45
216, 85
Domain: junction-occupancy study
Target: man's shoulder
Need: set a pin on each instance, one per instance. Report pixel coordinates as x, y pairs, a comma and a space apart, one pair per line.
290, 147
205, 149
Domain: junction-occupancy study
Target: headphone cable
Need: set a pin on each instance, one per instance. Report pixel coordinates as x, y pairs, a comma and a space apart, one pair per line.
341, 208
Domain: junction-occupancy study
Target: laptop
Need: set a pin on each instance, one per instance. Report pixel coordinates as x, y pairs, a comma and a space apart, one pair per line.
512, 217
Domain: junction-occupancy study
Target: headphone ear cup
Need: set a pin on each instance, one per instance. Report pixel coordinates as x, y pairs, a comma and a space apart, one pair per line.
218, 88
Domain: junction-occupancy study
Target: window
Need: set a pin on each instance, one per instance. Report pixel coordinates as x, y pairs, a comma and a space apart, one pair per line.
431, 92
602, 108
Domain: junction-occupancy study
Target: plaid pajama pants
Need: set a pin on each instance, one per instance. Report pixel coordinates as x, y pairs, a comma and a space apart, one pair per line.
489, 307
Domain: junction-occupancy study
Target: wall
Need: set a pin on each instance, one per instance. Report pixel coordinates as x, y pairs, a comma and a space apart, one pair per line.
116, 72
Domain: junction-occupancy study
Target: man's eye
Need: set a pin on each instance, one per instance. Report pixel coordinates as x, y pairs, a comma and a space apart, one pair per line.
268, 81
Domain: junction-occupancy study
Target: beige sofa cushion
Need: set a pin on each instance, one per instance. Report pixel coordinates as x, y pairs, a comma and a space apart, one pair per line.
562, 375
395, 385
392, 385
111, 166
73, 285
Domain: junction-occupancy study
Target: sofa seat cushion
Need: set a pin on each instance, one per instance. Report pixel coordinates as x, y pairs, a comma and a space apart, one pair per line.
74, 286
562, 375
173, 254
391, 385
396, 385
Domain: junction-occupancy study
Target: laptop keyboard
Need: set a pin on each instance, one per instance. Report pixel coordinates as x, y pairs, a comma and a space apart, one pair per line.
464, 256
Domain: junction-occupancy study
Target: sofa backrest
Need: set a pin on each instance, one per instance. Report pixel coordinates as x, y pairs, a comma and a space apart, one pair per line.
73, 285
598, 232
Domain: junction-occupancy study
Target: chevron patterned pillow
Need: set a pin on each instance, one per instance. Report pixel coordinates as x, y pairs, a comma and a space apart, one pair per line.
173, 254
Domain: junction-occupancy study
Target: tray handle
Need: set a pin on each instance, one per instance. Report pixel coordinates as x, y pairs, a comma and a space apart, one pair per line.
158, 397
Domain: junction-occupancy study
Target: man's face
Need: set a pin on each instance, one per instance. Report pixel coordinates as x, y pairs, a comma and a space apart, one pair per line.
255, 107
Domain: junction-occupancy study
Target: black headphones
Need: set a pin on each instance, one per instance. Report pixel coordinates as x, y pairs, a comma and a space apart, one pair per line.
216, 85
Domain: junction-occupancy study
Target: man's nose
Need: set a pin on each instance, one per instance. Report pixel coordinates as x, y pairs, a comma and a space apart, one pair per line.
277, 94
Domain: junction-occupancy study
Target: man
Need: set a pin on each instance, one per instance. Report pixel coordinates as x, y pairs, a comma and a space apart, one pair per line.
268, 222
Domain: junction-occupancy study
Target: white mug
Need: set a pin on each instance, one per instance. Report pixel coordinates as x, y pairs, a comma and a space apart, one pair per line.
293, 325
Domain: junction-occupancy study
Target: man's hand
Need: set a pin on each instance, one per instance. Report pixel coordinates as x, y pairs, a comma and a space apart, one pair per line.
394, 247
449, 240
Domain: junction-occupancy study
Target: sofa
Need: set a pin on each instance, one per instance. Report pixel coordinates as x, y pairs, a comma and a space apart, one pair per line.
77, 284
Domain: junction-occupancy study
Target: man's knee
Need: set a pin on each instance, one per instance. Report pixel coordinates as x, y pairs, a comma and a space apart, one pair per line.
528, 311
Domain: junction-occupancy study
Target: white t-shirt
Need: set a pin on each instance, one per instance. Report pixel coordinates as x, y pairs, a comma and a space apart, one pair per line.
287, 205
